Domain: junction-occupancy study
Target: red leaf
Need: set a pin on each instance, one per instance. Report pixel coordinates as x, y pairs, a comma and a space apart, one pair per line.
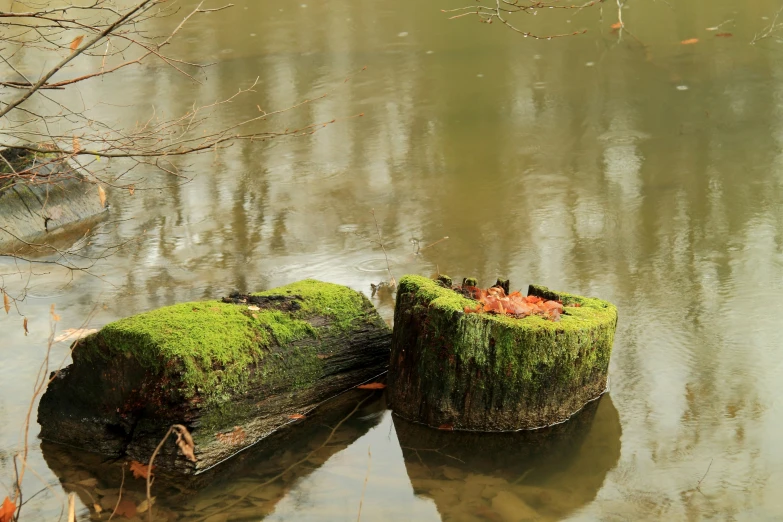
372, 386
724, 35
140, 470
446, 427
7, 510
296, 416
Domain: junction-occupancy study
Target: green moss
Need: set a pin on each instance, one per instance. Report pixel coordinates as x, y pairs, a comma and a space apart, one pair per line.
524, 354
207, 348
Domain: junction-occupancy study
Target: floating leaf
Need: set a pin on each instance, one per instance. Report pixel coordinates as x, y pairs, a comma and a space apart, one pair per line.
6, 302
126, 508
690, 41
26, 331
372, 386
724, 35
446, 427
55, 317
76, 42
102, 195
97, 507
140, 471
131, 189
7, 510
617, 25
296, 416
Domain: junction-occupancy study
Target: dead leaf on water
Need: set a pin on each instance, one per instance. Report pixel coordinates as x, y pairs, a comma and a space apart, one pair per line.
690, 41
145, 505
6, 302
140, 470
296, 416
26, 331
616, 25
76, 42
446, 427
102, 195
73, 334
724, 35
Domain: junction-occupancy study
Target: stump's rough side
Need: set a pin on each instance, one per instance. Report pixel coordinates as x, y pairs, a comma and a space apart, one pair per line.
232, 373
490, 372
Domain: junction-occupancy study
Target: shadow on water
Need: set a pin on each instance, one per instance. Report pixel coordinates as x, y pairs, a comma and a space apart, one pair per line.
545, 474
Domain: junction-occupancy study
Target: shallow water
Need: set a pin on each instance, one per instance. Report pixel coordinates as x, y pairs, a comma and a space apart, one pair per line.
648, 175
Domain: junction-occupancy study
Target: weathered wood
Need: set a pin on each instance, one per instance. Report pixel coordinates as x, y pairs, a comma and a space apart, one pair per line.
47, 196
232, 372
490, 372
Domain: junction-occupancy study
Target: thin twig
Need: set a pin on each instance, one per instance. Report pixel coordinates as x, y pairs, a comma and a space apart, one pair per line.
364, 487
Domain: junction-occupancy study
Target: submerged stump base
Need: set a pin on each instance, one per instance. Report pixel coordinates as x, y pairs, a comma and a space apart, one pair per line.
231, 371
488, 372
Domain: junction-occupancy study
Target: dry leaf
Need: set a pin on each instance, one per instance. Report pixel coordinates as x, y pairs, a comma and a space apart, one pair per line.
446, 427
97, 507
55, 317
616, 25
690, 41
237, 436
372, 386
7, 510
296, 416
77, 147
185, 442
140, 471
89, 482
76, 42
131, 189
73, 334
145, 505
6, 302
26, 331
724, 35
126, 508
102, 195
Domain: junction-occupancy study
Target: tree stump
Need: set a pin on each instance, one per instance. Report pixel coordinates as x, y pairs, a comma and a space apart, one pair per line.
485, 372
232, 371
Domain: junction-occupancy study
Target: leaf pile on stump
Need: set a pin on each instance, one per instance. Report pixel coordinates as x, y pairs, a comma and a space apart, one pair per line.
495, 301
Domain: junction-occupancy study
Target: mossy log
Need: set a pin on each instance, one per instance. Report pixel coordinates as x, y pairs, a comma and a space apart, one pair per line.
490, 372
40, 193
232, 371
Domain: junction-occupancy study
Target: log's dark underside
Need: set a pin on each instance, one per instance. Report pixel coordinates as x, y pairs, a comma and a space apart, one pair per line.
51, 194
116, 406
479, 372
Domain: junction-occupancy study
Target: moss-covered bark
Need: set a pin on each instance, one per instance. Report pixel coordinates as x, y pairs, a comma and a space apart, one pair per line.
490, 372
232, 373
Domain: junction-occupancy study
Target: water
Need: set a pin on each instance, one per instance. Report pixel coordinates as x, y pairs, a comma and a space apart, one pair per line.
630, 167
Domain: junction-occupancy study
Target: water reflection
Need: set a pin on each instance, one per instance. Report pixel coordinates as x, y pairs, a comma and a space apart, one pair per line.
349, 452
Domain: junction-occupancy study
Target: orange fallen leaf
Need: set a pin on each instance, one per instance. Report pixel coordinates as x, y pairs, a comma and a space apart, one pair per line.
372, 386
446, 427
140, 471
724, 35
616, 25
7, 510
690, 41
126, 508
6, 302
296, 416
102, 195
76, 42
26, 331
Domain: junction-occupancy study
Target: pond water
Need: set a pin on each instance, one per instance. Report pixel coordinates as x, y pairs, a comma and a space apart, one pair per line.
624, 165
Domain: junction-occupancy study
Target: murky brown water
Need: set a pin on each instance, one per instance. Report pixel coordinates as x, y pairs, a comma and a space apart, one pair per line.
651, 177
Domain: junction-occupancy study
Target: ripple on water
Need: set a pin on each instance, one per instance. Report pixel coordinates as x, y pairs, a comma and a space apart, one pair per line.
377, 264
621, 137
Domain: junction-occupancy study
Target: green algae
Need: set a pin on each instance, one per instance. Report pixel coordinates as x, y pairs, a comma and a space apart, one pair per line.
515, 355
209, 348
